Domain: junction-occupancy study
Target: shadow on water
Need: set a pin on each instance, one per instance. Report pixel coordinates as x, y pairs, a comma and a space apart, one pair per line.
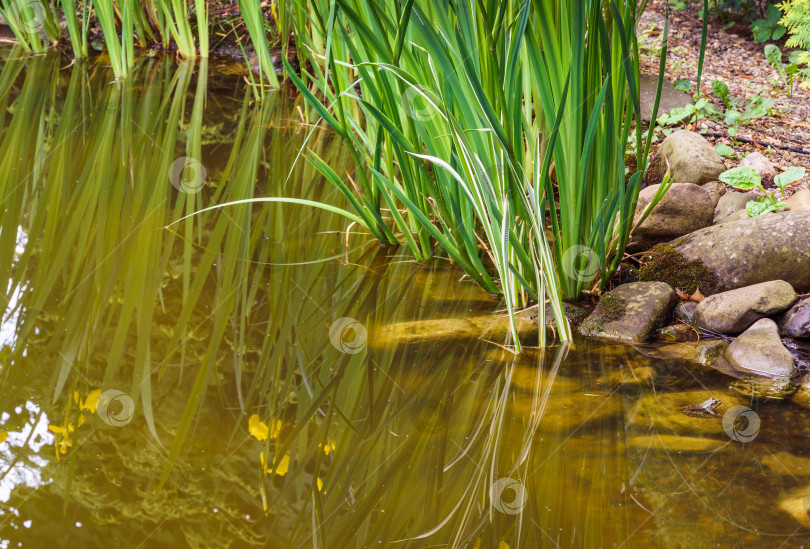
227, 382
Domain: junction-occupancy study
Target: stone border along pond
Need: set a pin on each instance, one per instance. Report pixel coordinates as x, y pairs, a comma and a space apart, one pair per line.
698, 241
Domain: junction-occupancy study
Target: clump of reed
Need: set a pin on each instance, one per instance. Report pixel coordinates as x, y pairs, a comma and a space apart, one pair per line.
495, 131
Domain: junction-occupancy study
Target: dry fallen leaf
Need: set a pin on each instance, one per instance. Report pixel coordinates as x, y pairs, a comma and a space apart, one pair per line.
697, 297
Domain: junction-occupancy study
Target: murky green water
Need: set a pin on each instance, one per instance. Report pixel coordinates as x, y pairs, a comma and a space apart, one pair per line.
190, 331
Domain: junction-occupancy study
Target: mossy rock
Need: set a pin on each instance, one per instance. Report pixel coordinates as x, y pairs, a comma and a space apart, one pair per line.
736, 254
632, 312
664, 263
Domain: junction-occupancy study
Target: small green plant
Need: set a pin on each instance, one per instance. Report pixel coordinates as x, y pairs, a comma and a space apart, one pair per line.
691, 113
798, 69
774, 56
770, 27
757, 107
724, 150
720, 89
683, 85
747, 178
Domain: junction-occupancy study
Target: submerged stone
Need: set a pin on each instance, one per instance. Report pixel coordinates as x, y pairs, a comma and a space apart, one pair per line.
734, 311
761, 387
758, 352
674, 443
702, 354
797, 505
664, 412
491, 327
784, 463
631, 312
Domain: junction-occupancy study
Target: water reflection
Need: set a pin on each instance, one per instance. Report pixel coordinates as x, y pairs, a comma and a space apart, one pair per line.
224, 382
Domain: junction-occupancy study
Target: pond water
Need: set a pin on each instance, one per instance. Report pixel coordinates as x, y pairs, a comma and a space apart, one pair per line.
226, 381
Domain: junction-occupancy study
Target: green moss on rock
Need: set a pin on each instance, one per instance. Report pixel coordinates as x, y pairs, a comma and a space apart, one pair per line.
611, 307
665, 263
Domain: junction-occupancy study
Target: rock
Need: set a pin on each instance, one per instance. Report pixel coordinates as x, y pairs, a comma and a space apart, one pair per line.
736, 254
761, 163
685, 209
798, 506
673, 443
802, 396
738, 216
735, 311
784, 463
670, 97
760, 387
574, 314
631, 312
732, 202
691, 158
703, 354
716, 190
492, 327
799, 201
676, 333
663, 412
758, 352
633, 377
796, 322
685, 311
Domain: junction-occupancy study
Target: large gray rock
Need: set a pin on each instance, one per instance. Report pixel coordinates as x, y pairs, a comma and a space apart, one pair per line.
732, 202
758, 352
736, 254
735, 311
631, 312
692, 159
670, 97
685, 209
796, 322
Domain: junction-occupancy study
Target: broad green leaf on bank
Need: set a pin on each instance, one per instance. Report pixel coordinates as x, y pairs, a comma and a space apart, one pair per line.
758, 207
741, 177
724, 150
791, 175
